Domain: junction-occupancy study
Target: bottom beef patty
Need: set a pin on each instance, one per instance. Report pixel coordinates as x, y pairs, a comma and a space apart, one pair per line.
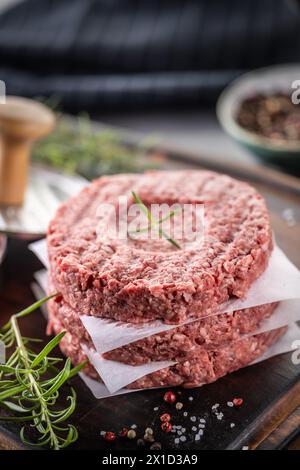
178, 344
206, 367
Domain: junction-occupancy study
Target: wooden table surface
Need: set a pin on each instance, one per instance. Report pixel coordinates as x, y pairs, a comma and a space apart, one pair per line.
269, 417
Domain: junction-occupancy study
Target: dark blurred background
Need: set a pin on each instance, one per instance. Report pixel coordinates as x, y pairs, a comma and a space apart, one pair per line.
148, 65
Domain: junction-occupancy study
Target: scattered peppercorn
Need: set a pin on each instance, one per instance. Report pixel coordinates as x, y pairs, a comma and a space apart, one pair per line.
140, 443
170, 397
165, 417
155, 446
110, 436
238, 401
274, 116
131, 434
124, 432
179, 405
166, 427
149, 431
148, 438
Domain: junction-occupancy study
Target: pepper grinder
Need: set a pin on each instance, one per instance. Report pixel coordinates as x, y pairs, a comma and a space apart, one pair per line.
22, 121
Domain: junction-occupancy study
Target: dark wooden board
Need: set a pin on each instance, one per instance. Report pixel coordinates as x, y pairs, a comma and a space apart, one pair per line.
271, 390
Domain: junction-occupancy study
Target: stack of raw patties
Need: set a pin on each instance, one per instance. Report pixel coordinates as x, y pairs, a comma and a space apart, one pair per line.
139, 281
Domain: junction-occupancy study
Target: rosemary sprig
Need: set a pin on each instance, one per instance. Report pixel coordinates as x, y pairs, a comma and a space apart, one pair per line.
152, 222
30, 386
77, 146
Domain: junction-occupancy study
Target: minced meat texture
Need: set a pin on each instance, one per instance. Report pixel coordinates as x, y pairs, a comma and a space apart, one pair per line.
180, 343
207, 367
137, 281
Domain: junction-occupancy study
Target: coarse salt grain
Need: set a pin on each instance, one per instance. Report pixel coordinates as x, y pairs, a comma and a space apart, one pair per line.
194, 428
155, 408
191, 398
232, 425
179, 405
182, 438
176, 440
185, 413
197, 437
202, 420
193, 418
230, 404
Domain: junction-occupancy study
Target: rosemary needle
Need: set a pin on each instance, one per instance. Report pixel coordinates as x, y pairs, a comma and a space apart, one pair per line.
152, 222
30, 388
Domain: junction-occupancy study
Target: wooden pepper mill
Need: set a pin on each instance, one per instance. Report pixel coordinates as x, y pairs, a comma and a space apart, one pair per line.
22, 121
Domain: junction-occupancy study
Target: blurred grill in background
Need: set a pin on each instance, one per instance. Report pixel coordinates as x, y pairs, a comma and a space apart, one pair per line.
149, 65
97, 54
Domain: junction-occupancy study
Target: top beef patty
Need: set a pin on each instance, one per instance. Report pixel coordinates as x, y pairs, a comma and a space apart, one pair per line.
141, 280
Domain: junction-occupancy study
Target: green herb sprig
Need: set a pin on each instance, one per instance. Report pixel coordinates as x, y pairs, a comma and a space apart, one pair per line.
152, 222
30, 386
77, 146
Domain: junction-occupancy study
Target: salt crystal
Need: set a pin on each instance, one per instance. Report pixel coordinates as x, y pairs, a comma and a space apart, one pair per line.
245, 448
102, 433
182, 438
230, 404
202, 420
232, 425
155, 408
185, 413
191, 398
193, 418
201, 426
194, 428
176, 441
197, 437
134, 426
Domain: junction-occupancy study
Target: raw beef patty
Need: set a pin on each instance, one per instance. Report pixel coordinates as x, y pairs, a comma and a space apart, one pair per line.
180, 343
207, 367
137, 281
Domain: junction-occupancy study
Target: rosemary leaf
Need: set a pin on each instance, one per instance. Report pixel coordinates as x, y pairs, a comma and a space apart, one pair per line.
30, 386
152, 222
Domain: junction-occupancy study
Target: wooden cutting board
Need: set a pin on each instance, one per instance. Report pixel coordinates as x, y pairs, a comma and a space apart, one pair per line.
270, 414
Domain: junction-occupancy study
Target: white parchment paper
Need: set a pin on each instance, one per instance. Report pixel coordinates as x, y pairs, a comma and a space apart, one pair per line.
39, 248
280, 281
117, 375
284, 345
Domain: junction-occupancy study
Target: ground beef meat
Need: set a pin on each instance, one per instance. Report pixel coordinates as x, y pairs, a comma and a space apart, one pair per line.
138, 281
210, 366
177, 344
206, 368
